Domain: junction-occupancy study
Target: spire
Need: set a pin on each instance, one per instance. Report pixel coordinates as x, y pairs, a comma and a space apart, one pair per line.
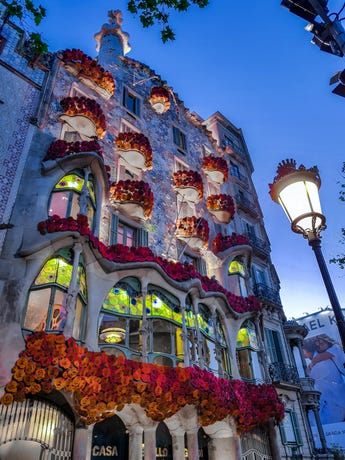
112, 42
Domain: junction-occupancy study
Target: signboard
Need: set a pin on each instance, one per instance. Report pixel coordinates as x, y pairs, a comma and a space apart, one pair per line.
110, 440
325, 358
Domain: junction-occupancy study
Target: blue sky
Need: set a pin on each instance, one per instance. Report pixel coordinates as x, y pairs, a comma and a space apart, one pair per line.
256, 65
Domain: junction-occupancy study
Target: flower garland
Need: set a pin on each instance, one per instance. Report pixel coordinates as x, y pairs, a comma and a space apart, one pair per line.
221, 242
193, 226
61, 148
221, 202
160, 95
189, 178
89, 108
88, 67
124, 254
132, 190
211, 163
102, 384
135, 141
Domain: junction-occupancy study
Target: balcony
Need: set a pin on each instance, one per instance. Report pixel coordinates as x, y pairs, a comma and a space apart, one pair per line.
221, 207
135, 149
189, 184
260, 245
283, 373
134, 199
223, 242
215, 168
239, 176
89, 72
159, 99
193, 230
84, 115
266, 294
246, 204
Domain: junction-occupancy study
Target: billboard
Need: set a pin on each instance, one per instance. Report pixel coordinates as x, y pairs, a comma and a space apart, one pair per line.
325, 359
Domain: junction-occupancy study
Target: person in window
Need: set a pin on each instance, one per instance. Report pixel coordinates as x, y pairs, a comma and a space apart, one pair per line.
326, 367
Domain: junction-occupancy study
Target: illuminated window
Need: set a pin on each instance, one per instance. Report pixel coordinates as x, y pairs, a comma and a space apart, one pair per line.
237, 274
236, 267
246, 352
65, 197
46, 306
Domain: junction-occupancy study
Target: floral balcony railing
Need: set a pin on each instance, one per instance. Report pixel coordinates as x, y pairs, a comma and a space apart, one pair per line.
61, 149
222, 207
194, 230
159, 99
100, 384
133, 198
189, 184
89, 72
84, 115
135, 148
216, 168
221, 242
267, 294
259, 244
124, 254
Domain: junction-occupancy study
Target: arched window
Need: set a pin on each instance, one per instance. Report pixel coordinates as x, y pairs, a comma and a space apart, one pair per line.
165, 324
121, 320
246, 351
74, 194
237, 275
46, 307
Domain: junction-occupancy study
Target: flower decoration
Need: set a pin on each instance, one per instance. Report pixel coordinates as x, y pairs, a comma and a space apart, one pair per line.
221, 242
135, 141
73, 106
101, 384
133, 191
193, 226
82, 65
221, 202
61, 149
159, 99
123, 254
189, 179
211, 163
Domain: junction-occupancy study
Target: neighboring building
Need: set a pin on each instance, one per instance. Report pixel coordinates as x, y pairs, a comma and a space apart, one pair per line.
132, 226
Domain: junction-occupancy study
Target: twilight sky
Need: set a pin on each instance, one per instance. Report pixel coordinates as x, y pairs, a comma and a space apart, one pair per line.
256, 65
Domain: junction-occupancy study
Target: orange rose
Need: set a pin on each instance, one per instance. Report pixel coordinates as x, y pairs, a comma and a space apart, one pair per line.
11, 387
40, 374
59, 383
101, 406
30, 367
65, 363
7, 399
22, 362
19, 374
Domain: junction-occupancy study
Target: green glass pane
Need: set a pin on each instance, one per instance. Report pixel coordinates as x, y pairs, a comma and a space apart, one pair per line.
82, 281
117, 300
158, 307
48, 273
64, 273
136, 306
205, 326
237, 267
190, 319
177, 317
71, 182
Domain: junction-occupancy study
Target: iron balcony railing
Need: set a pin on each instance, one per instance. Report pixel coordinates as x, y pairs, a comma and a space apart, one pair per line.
281, 372
266, 293
259, 244
245, 204
241, 177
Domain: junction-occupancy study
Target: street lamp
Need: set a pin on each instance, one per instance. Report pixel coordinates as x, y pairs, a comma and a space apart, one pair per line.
297, 191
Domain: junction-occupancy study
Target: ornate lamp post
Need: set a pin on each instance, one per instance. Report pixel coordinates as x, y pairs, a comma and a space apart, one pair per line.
297, 191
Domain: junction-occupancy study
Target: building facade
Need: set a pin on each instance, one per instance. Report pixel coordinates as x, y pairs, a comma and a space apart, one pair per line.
140, 310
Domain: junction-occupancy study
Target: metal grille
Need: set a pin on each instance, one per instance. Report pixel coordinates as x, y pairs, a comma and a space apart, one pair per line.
255, 445
37, 421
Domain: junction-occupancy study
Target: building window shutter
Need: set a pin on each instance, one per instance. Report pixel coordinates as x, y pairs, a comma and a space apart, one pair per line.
113, 228
141, 237
296, 428
282, 432
200, 265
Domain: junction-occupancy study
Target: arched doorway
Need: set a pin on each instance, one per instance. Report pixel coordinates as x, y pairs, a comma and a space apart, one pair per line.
110, 440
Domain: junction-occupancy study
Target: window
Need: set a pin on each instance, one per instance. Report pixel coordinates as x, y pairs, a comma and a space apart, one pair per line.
274, 346
249, 229
234, 170
179, 139
126, 171
131, 102
197, 262
289, 429
46, 307
65, 199
122, 233
237, 274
